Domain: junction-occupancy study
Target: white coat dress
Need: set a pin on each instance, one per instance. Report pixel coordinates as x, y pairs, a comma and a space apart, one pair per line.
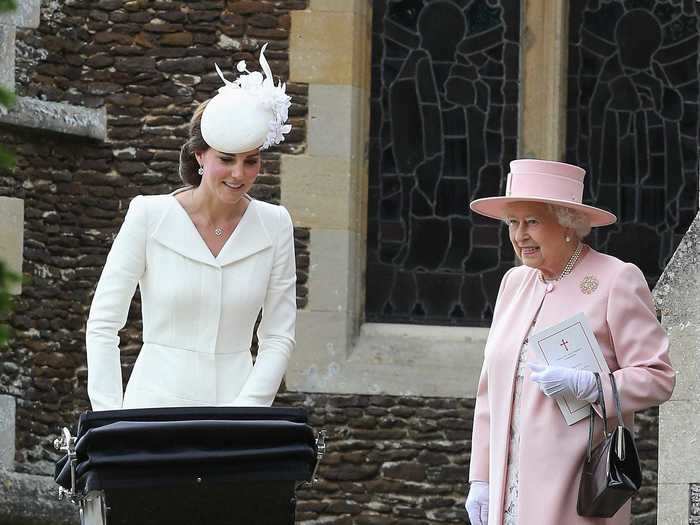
198, 310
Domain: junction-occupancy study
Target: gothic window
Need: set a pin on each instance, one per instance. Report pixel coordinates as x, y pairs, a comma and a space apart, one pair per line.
632, 121
443, 130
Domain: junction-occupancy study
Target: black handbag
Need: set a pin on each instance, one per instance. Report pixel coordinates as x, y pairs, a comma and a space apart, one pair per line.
611, 472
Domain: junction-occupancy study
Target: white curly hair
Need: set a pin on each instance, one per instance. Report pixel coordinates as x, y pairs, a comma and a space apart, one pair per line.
570, 218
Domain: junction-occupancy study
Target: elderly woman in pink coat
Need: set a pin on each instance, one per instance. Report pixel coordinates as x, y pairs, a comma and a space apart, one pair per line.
526, 461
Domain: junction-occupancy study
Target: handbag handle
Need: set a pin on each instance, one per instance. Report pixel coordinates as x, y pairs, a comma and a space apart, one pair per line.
620, 444
601, 402
616, 397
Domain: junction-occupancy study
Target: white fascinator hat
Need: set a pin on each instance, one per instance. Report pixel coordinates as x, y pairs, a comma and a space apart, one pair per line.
248, 113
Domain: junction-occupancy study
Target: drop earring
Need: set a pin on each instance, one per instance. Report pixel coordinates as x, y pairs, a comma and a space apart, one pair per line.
568, 239
200, 171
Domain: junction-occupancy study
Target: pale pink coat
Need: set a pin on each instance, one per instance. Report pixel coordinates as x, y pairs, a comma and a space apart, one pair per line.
622, 316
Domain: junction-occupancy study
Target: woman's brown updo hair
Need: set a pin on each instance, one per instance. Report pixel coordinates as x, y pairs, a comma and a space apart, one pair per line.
189, 166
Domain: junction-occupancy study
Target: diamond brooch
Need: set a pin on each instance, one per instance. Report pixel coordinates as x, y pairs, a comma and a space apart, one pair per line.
589, 284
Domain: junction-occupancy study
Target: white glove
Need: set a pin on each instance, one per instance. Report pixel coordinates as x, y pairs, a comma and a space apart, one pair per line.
557, 382
477, 503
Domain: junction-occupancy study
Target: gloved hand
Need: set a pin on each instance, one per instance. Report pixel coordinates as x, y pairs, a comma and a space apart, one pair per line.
477, 503
557, 382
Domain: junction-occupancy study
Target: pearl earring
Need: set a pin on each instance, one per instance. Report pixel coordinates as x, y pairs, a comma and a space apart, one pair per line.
200, 171
568, 239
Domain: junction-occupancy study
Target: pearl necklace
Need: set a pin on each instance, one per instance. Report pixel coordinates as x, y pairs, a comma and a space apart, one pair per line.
569, 265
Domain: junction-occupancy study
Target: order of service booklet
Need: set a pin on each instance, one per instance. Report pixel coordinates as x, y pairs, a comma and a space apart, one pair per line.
571, 344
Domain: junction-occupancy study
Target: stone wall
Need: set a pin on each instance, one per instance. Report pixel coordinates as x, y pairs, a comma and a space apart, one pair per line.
389, 459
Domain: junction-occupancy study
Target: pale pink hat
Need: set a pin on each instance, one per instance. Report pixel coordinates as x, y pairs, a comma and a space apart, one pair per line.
543, 181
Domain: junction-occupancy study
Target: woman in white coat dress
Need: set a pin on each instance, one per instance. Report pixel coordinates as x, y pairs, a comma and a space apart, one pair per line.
207, 258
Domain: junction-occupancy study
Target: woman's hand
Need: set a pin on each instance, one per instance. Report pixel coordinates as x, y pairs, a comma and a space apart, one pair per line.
557, 382
477, 503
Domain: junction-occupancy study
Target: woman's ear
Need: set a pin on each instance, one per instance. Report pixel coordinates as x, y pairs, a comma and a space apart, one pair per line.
199, 155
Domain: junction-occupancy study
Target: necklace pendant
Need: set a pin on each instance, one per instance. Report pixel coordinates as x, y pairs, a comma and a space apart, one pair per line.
219, 232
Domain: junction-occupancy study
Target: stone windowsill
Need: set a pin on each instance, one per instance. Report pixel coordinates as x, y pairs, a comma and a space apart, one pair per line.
399, 359
58, 117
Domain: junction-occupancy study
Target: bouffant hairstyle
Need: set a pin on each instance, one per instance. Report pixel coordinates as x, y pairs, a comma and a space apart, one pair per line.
189, 167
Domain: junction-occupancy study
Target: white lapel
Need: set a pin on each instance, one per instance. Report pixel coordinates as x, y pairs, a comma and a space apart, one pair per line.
250, 236
176, 231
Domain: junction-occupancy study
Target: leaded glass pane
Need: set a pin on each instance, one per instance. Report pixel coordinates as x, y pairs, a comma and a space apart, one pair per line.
443, 130
632, 121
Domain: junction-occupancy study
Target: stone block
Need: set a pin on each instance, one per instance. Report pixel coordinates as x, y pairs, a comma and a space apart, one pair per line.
685, 358
313, 60
359, 7
332, 272
333, 120
678, 431
27, 499
7, 56
57, 117
320, 192
12, 237
673, 504
322, 340
7, 432
28, 14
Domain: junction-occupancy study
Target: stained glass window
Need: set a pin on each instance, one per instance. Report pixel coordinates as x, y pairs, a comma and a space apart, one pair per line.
632, 121
444, 128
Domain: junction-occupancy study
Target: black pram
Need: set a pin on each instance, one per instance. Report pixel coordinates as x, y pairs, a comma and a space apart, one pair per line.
210, 465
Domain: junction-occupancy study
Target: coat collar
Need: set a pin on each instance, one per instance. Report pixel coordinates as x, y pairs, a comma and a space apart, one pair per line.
176, 231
